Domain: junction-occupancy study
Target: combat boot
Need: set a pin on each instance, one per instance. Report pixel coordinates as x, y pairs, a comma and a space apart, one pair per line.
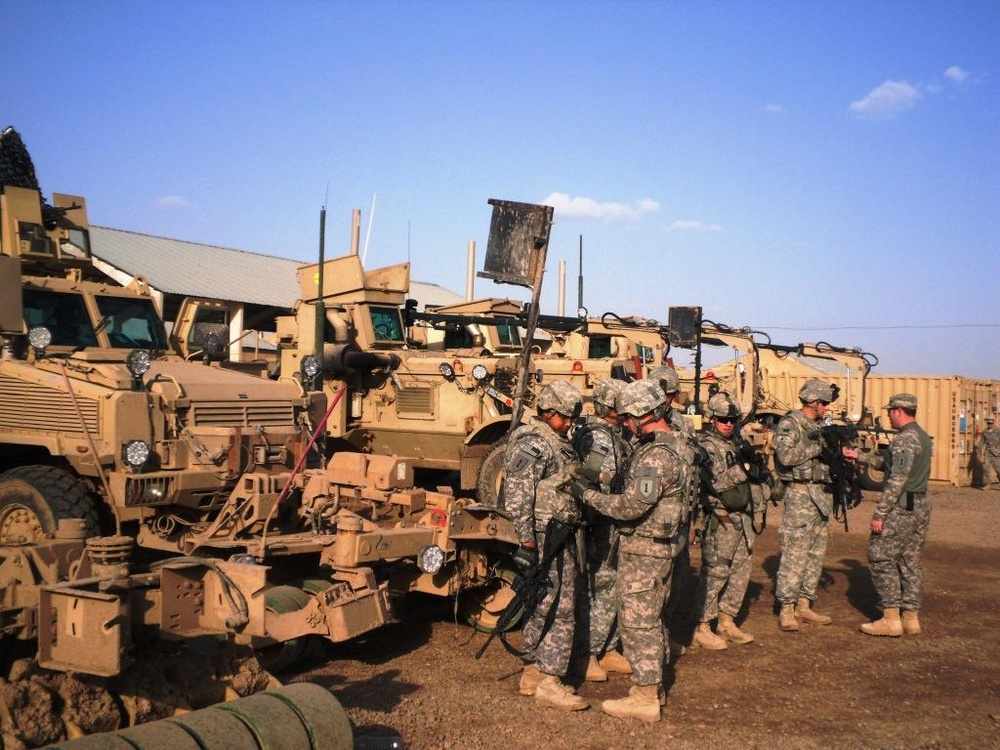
786, 619
529, 680
642, 703
612, 661
889, 625
551, 692
804, 613
590, 669
731, 632
704, 637
911, 624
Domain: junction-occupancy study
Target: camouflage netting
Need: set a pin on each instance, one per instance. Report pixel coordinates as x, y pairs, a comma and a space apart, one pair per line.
16, 168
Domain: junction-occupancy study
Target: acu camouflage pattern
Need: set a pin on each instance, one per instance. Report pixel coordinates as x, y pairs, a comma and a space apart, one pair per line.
652, 516
808, 502
601, 445
727, 544
894, 555
991, 451
538, 462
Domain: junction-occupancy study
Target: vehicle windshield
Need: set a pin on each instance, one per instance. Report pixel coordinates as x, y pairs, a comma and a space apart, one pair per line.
509, 335
131, 323
63, 313
388, 324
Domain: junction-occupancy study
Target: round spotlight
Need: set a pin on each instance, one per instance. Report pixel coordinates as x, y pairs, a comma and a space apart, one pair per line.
138, 362
480, 374
136, 453
39, 337
309, 366
447, 371
430, 559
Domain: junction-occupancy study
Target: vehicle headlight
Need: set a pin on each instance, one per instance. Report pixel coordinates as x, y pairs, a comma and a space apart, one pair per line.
480, 374
39, 337
135, 453
447, 371
309, 366
430, 559
137, 362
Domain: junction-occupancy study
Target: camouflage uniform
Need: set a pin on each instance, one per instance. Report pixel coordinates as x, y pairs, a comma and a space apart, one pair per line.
597, 613
653, 514
991, 453
808, 504
894, 555
537, 462
727, 545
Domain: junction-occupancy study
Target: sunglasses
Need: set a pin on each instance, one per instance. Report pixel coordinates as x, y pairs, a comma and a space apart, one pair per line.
725, 420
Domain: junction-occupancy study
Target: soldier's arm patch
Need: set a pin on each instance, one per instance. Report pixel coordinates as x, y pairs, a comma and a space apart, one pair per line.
524, 457
647, 484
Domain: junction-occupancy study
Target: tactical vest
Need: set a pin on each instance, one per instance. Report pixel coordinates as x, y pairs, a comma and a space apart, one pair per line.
920, 471
671, 510
550, 501
731, 484
812, 469
596, 454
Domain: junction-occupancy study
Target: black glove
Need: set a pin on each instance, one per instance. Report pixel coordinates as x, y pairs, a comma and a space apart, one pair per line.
591, 474
525, 558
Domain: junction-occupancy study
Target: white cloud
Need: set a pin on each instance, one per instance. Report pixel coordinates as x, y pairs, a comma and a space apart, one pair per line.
886, 101
172, 201
956, 74
588, 208
688, 225
774, 108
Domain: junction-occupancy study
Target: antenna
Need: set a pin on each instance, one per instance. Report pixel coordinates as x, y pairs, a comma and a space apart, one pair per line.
579, 281
368, 233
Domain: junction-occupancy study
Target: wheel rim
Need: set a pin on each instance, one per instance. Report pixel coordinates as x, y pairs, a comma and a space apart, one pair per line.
19, 525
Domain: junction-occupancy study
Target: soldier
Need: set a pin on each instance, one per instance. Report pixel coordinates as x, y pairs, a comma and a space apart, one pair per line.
899, 524
538, 462
727, 542
652, 511
670, 382
991, 453
808, 497
602, 450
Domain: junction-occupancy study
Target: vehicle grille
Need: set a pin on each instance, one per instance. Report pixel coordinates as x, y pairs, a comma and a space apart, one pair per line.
237, 414
32, 406
414, 400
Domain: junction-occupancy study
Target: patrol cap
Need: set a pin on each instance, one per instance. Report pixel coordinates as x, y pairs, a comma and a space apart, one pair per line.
641, 397
605, 395
722, 405
903, 401
815, 389
667, 377
562, 397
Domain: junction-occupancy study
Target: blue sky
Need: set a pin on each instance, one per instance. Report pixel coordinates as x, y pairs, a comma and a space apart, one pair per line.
821, 171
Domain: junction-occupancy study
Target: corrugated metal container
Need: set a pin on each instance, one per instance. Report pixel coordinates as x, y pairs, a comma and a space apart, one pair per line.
952, 410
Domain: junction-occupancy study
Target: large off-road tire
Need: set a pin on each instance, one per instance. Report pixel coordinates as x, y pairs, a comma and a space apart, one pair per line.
870, 478
481, 606
491, 473
280, 656
33, 499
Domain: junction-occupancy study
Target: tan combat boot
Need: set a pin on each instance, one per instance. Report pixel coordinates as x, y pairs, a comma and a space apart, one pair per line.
804, 613
731, 632
889, 625
704, 637
529, 680
551, 692
911, 624
642, 703
590, 669
786, 619
612, 661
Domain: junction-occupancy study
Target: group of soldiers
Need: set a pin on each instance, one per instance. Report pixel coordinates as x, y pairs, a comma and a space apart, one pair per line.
614, 494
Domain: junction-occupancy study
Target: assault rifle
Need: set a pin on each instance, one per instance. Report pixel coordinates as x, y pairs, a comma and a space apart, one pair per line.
530, 588
843, 473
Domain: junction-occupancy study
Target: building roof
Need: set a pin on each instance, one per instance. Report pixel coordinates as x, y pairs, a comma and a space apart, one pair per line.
191, 269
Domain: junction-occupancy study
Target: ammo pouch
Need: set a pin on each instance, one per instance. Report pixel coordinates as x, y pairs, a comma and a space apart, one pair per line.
811, 471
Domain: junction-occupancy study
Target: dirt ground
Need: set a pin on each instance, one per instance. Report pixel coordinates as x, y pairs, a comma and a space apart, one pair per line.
828, 687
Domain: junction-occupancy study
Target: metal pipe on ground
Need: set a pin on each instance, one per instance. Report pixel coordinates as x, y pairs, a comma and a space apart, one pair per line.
300, 716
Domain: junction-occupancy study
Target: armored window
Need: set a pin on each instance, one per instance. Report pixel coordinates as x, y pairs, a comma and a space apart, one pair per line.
599, 347
131, 323
387, 324
64, 314
509, 336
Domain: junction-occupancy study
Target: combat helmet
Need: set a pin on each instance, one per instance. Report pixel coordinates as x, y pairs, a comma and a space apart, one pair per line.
561, 397
605, 395
815, 389
722, 405
667, 377
642, 397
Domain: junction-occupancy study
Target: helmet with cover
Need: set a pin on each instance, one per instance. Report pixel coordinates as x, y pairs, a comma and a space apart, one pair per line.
606, 394
562, 398
815, 389
722, 405
642, 397
667, 377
